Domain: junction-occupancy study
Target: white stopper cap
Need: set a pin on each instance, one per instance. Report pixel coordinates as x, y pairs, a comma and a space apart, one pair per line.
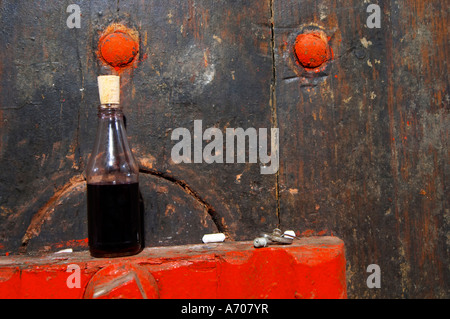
213, 238
289, 234
109, 89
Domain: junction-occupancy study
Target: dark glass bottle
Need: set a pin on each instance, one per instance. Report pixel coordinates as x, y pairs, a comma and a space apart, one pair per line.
114, 218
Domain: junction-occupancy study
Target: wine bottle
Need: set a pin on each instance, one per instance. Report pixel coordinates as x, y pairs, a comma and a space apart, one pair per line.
115, 223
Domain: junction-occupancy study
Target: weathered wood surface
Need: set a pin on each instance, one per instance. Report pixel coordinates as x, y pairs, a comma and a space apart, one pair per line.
363, 145
195, 63
368, 156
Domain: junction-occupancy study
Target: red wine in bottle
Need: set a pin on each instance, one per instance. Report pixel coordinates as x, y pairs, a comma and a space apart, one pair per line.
114, 220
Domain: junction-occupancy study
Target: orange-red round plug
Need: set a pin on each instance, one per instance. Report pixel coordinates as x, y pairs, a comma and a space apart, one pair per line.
118, 49
312, 49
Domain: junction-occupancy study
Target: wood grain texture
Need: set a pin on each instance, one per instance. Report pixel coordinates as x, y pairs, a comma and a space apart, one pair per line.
206, 61
368, 155
363, 145
198, 60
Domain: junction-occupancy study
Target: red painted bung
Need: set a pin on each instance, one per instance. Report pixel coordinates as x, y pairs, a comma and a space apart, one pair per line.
118, 49
312, 49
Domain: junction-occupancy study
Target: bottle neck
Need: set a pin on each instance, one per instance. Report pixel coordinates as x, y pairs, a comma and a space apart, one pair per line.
106, 111
111, 161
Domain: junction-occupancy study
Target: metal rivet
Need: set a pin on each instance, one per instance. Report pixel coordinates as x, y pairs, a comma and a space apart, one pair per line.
360, 53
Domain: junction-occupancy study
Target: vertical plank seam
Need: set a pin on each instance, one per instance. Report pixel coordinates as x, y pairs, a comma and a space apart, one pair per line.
273, 103
76, 149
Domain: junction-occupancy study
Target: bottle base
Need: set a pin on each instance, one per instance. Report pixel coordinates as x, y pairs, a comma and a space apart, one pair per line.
114, 253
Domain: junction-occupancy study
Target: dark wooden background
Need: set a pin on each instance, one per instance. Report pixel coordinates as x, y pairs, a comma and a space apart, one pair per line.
363, 146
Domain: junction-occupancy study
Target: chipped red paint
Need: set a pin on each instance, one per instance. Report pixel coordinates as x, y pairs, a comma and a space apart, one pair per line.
75, 243
312, 50
312, 267
122, 280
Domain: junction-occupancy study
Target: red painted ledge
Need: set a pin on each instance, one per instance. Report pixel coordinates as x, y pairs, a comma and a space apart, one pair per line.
311, 267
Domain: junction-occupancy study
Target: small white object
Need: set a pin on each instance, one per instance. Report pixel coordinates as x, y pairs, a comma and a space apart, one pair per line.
260, 242
213, 238
289, 233
69, 250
